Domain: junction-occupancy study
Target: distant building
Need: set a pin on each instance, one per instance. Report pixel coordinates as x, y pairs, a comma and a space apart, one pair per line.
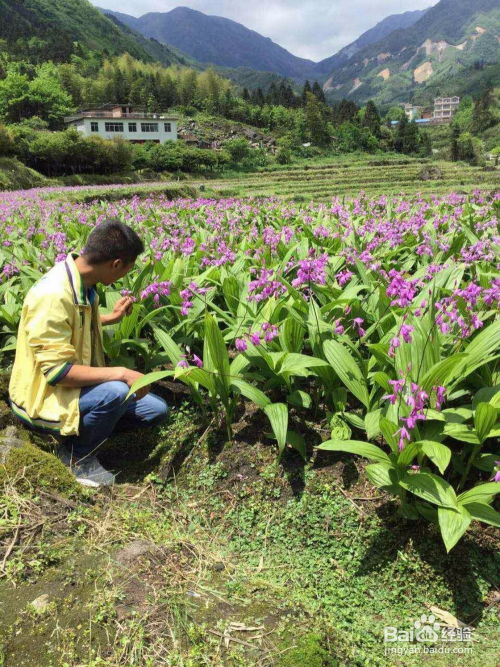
444, 108
122, 120
412, 112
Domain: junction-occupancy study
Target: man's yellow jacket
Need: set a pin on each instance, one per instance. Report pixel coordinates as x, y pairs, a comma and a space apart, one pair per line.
60, 326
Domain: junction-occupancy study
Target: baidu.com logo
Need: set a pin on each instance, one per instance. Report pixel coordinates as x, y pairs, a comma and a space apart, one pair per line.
427, 635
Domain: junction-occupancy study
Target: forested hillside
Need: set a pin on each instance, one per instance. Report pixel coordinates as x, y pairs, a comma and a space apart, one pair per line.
440, 53
41, 30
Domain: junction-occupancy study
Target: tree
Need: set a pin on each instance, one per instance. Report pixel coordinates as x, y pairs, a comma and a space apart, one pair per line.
41, 96
371, 119
395, 113
305, 90
344, 111
407, 138
316, 121
454, 136
238, 149
482, 115
6, 141
317, 90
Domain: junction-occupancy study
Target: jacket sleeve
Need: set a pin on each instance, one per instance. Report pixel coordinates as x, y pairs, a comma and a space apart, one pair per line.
49, 334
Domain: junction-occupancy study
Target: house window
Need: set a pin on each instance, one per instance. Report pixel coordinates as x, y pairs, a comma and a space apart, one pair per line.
132, 127
94, 126
149, 127
113, 127
168, 127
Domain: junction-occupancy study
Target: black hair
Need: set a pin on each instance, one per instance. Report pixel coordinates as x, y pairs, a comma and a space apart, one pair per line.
112, 240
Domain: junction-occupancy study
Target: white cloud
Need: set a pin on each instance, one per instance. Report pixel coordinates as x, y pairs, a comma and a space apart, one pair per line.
314, 30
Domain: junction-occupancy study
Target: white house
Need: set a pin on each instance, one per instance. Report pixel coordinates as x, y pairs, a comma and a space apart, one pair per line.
445, 107
120, 120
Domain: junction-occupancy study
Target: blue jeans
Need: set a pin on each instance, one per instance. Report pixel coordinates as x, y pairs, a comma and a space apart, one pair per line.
103, 407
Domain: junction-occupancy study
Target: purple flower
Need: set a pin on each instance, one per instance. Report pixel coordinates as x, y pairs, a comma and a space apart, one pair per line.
343, 277
440, 396
338, 328
197, 361
405, 332
404, 438
240, 345
182, 364
357, 322
255, 337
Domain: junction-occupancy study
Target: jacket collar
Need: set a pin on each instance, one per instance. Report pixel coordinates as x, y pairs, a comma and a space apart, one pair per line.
75, 281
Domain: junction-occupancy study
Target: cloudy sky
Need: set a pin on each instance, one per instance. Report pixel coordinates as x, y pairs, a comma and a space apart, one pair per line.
315, 29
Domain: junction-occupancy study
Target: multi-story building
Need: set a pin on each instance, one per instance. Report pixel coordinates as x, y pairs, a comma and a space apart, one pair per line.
121, 120
445, 107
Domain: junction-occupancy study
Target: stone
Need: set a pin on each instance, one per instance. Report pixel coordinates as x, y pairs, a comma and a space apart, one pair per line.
430, 174
8, 440
134, 550
40, 603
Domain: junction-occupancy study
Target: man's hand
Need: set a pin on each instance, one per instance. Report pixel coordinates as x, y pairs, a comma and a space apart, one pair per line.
130, 377
122, 307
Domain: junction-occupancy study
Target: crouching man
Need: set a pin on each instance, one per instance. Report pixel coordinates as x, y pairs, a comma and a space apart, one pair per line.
59, 381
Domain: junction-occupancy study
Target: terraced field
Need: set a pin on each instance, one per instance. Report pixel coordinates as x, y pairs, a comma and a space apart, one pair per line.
384, 176
344, 176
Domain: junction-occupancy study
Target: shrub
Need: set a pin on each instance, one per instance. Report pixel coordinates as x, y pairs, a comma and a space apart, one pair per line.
6, 142
238, 149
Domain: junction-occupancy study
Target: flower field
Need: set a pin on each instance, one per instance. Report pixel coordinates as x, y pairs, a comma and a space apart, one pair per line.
374, 318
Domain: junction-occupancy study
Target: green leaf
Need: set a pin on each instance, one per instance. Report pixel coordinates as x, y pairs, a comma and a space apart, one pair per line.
293, 362
484, 513
292, 334
406, 456
482, 493
429, 513
148, 379
453, 524
457, 415
485, 461
372, 424
252, 393
366, 449
278, 416
485, 419
439, 454
299, 398
339, 430
194, 374
431, 488
355, 420
439, 373
382, 379
297, 441
383, 476
218, 354
389, 429
489, 395
168, 344
462, 433
231, 291
348, 370
481, 350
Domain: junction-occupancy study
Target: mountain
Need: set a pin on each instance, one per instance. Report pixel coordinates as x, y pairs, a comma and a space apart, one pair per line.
54, 29
217, 40
375, 34
450, 42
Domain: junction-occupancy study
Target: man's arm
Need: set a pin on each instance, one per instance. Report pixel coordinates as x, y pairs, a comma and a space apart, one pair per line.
85, 376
